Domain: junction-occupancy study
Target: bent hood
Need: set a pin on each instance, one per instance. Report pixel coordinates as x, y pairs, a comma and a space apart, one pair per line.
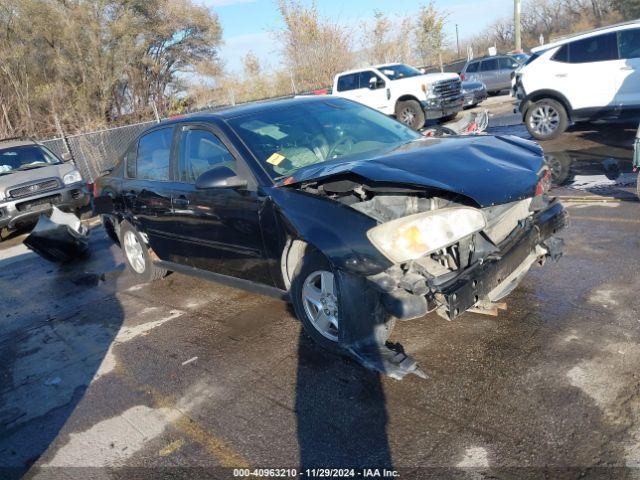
490, 170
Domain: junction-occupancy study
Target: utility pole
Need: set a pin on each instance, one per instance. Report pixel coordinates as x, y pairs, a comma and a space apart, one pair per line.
516, 25
457, 41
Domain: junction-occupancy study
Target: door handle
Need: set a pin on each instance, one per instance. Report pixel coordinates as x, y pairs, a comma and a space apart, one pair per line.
181, 201
561, 75
626, 68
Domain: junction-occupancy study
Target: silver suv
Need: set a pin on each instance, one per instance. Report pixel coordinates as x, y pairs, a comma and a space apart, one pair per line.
495, 71
32, 179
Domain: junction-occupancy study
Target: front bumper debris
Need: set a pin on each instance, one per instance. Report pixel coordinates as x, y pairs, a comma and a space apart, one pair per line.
484, 282
58, 238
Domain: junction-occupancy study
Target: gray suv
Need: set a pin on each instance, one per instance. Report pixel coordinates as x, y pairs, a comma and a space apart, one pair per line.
495, 71
32, 179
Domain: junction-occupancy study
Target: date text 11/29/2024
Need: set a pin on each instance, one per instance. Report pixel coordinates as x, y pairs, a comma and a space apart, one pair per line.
317, 472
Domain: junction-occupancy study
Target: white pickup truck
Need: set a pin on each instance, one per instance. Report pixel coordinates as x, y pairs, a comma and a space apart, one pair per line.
403, 91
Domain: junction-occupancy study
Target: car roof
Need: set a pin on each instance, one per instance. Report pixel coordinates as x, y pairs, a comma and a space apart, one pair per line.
589, 33
227, 113
16, 142
488, 57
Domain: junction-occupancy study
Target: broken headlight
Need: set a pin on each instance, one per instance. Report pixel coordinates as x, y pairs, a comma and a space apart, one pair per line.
414, 236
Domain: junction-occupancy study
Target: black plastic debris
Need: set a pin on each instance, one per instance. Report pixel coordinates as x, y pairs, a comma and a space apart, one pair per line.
59, 238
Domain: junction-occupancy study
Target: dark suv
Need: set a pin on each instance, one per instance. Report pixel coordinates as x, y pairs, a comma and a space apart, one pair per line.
32, 179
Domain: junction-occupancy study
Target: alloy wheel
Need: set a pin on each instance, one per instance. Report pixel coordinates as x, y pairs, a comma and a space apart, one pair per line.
544, 120
134, 253
321, 303
407, 116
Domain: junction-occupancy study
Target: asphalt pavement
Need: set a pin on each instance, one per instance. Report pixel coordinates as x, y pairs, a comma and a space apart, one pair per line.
103, 378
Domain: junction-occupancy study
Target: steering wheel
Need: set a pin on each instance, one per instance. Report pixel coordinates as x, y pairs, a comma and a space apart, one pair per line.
341, 141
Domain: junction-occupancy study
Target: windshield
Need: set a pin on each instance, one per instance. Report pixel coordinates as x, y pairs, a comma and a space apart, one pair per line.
396, 72
286, 139
25, 157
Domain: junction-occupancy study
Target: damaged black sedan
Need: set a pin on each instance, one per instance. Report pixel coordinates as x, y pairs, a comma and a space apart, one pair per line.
354, 217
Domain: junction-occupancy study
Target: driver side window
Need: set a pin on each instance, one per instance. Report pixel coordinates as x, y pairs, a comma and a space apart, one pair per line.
200, 151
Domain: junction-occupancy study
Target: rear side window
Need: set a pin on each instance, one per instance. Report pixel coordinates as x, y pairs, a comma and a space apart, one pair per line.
629, 43
200, 151
348, 82
154, 155
472, 67
489, 65
594, 49
130, 160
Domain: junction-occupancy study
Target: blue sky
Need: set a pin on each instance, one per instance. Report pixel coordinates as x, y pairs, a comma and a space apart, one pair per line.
247, 24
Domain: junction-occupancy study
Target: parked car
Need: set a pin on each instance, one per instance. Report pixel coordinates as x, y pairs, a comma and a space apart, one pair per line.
494, 71
589, 76
474, 93
32, 180
354, 217
402, 91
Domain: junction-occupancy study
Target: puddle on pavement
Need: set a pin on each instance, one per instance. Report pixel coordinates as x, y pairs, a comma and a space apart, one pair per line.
595, 170
602, 170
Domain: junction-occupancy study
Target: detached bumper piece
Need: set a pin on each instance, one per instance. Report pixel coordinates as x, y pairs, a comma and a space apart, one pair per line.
59, 238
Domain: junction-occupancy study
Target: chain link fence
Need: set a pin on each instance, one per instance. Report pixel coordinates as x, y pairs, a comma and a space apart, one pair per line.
95, 152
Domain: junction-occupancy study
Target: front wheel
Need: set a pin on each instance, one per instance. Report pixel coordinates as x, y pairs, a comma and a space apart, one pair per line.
137, 256
546, 119
314, 294
411, 114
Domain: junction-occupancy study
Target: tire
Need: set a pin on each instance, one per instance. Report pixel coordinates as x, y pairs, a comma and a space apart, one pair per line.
367, 306
411, 114
141, 267
109, 227
546, 119
4, 234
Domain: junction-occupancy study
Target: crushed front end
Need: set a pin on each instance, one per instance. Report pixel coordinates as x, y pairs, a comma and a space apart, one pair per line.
478, 270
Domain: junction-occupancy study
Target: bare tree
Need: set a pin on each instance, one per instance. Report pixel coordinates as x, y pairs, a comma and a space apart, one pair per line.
429, 34
314, 48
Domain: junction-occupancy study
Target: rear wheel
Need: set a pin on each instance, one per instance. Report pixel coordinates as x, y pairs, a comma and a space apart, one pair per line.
411, 114
137, 256
546, 119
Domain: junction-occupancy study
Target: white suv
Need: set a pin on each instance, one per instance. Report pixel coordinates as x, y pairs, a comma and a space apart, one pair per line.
590, 76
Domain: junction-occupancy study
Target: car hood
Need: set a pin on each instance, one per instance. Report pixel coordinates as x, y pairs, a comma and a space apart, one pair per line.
14, 179
490, 170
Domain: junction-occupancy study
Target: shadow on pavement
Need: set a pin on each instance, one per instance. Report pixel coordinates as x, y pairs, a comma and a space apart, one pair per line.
341, 412
56, 327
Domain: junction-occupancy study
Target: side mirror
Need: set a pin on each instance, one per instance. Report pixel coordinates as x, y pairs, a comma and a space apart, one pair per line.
220, 177
373, 83
66, 157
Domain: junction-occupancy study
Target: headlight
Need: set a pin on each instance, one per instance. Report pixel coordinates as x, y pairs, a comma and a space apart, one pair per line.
72, 177
2, 197
414, 236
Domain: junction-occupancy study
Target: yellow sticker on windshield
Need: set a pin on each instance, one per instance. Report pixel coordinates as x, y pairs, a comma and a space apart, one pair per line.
276, 159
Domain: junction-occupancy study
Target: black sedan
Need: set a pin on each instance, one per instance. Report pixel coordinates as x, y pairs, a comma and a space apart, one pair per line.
352, 216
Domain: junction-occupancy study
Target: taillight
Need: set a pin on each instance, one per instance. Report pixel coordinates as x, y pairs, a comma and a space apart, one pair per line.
462, 77
544, 184
94, 189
